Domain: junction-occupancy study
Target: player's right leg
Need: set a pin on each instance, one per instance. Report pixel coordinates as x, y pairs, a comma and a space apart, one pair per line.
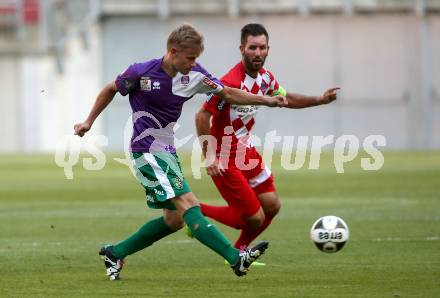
206, 233
270, 204
161, 177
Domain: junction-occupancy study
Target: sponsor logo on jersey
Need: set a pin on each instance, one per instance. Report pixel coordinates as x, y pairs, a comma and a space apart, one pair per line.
149, 198
184, 80
145, 83
159, 192
156, 85
244, 110
209, 83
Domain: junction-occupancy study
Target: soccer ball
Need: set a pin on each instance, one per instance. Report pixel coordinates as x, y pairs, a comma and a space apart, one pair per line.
329, 233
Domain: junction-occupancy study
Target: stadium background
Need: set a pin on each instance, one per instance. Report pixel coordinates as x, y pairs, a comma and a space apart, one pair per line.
56, 55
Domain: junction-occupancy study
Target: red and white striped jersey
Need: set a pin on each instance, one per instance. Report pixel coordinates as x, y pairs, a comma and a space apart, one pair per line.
237, 121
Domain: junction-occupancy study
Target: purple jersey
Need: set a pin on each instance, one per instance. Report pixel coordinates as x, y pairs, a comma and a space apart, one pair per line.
156, 100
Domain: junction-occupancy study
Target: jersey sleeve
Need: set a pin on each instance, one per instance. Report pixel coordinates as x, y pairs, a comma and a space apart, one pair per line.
128, 81
208, 84
275, 88
214, 104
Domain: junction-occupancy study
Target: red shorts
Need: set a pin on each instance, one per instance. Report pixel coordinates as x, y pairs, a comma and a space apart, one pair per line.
240, 187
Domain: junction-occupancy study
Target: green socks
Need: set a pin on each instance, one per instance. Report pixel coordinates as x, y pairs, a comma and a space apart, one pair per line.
208, 234
149, 233
156, 229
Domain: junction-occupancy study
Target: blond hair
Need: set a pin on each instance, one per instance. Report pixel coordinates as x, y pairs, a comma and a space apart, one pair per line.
185, 36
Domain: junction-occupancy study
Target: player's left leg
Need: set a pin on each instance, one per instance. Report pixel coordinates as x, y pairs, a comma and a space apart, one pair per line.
147, 234
150, 232
270, 204
261, 180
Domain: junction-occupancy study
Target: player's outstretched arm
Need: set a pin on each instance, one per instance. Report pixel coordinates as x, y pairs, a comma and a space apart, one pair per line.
104, 98
240, 97
299, 101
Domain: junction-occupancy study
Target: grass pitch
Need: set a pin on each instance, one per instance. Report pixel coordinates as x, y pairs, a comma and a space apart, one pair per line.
51, 229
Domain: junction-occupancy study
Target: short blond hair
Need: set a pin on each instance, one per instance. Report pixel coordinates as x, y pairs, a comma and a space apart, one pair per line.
185, 36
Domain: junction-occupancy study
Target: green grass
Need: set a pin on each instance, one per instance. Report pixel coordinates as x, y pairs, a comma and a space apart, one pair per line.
51, 229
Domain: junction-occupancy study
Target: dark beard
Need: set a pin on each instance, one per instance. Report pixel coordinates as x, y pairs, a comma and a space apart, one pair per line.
251, 67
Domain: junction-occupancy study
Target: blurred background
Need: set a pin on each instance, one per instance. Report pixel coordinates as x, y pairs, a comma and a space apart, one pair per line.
55, 55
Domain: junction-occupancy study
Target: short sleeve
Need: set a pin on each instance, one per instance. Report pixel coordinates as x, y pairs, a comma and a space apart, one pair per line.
275, 88
208, 84
214, 104
127, 81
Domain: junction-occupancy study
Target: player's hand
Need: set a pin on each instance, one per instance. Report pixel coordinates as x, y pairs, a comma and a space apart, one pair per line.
215, 168
276, 101
329, 96
81, 128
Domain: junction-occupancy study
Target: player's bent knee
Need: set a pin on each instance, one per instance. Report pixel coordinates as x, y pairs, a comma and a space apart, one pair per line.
179, 224
255, 221
273, 209
185, 201
175, 223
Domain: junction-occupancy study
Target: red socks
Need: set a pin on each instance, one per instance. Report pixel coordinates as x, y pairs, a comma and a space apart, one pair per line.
224, 214
248, 234
228, 216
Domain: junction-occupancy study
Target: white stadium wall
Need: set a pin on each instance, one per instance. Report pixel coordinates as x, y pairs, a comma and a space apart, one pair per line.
390, 82
40, 105
375, 59
9, 101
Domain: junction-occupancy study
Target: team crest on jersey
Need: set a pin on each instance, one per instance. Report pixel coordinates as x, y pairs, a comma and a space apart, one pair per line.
184, 80
265, 80
145, 83
177, 182
220, 105
263, 87
209, 83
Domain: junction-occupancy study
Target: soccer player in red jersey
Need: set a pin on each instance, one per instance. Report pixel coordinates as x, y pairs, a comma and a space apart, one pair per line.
237, 169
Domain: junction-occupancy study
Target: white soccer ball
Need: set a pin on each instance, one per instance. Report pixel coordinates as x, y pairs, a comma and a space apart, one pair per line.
329, 233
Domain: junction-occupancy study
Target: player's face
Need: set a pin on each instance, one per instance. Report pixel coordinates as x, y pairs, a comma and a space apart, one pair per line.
254, 52
185, 59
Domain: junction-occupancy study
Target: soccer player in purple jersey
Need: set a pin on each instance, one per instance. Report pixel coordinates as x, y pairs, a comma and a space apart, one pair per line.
157, 90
